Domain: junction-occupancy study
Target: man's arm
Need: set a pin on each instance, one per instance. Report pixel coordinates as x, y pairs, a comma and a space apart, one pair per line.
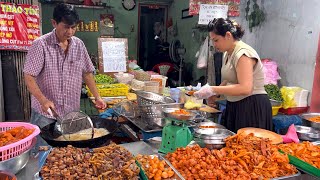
89, 80
36, 92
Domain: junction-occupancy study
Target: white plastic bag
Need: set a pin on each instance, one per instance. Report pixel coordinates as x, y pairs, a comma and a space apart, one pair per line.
203, 55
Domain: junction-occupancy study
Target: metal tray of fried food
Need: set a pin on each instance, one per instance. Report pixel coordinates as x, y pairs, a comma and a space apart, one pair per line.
285, 177
304, 166
176, 176
170, 113
182, 178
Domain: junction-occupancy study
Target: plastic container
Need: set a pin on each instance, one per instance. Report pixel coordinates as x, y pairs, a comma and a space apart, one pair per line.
111, 90
142, 76
16, 148
124, 78
161, 79
275, 110
151, 86
137, 85
175, 94
294, 111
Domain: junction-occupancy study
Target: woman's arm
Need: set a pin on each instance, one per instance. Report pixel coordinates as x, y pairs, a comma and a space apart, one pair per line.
245, 79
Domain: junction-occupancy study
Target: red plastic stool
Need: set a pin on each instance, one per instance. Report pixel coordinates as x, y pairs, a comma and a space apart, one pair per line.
163, 68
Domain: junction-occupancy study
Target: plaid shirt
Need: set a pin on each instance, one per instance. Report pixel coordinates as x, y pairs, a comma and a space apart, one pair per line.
58, 75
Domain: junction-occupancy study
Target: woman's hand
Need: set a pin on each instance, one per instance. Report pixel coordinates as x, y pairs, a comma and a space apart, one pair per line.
100, 103
211, 101
205, 92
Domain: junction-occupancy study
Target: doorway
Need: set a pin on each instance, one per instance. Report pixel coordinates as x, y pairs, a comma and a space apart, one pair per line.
152, 35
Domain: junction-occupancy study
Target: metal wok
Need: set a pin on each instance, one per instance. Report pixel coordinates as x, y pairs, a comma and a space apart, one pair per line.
49, 134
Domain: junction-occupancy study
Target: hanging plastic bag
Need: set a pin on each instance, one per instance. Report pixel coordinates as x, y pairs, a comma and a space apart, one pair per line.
271, 74
203, 54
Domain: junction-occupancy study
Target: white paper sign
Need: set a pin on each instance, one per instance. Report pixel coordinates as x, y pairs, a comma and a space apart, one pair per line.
114, 56
209, 11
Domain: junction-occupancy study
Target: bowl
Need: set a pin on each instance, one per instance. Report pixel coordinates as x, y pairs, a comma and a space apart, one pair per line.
307, 133
209, 125
5, 175
211, 138
306, 122
15, 164
169, 113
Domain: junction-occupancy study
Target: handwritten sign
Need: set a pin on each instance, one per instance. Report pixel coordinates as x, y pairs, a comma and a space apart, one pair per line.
208, 12
113, 54
19, 26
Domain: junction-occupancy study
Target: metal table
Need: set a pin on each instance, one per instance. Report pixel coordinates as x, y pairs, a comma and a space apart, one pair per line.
30, 172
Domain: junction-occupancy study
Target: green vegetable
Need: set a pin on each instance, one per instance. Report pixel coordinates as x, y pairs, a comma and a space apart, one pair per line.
104, 79
273, 92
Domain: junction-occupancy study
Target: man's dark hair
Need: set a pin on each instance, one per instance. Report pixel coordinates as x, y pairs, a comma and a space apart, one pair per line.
65, 13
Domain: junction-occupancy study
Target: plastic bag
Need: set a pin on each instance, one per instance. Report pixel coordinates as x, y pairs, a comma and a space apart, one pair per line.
270, 68
289, 94
203, 55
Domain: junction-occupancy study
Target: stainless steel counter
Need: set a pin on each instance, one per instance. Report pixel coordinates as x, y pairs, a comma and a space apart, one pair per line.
30, 172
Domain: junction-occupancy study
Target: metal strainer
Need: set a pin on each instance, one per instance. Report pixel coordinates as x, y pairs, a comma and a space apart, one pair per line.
75, 123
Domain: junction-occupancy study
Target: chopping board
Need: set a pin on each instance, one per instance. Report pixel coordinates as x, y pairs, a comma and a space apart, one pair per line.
209, 109
262, 133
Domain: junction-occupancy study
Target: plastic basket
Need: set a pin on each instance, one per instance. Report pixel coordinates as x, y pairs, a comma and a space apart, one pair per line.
16, 148
111, 90
124, 78
294, 110
275, 110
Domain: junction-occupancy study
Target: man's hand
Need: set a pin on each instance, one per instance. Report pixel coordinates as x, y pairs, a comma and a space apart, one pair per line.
46, 104
100, 103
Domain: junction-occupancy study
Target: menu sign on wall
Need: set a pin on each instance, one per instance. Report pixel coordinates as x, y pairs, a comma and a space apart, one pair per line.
113, 54
209, 11
19, 26
114, 57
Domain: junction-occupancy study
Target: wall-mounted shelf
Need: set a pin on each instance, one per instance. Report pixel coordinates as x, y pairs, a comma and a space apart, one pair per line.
91, 7
102, 6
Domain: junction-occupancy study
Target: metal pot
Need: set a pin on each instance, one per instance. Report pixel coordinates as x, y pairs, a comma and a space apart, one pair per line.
212, 138
15, 164
306, 122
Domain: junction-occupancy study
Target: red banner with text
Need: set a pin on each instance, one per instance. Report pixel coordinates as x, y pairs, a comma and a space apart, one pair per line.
233, 5
19, 26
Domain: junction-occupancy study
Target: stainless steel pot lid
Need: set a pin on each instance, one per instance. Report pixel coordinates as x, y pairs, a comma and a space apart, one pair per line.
212, 133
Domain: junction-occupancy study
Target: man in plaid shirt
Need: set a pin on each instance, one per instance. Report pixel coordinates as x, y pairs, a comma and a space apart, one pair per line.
56, 64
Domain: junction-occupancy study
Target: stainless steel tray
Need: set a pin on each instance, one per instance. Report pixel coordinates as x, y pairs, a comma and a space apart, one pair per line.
182, 178
144, 126
285, 177
177, 175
